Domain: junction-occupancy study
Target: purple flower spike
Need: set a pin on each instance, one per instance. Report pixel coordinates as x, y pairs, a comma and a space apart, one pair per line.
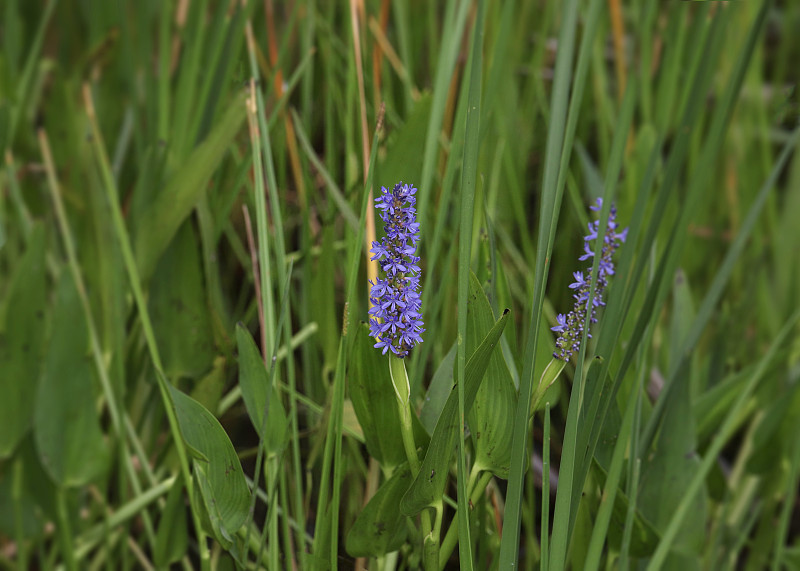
570, 326
395, 316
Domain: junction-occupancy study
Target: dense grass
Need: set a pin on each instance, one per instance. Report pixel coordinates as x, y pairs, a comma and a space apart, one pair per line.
185, 221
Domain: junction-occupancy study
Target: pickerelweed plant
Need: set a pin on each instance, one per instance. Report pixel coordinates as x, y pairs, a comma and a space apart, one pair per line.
395, 316
570, 327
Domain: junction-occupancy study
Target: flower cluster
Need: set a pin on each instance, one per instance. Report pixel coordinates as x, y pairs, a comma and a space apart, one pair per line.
570, 326
395, 318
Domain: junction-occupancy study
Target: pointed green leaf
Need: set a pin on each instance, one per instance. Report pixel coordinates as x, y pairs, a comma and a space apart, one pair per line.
178, 308
491, 417
644, 537
254, 380
668, 471
404, 152
380, 528
68, 435
438, 391
21, 343
218, 472
428, 486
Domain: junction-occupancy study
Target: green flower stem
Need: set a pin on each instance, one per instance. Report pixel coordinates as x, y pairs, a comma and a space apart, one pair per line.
449, 542
402, 389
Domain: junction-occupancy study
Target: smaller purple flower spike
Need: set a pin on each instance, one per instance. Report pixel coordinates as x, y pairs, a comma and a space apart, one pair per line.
570, 326
395, 317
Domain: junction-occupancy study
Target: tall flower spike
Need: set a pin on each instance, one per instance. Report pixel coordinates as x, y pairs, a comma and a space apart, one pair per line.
396, 318
570, 326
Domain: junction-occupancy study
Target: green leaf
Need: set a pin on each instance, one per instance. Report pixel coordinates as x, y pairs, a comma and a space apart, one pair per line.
217, 469
668, 471
428, 486
644, 537
21, 343
68, 436
380, 528
172, 539
179, 311
769, 447
175, 202
375, 402
254, 380
438, 391
404, 152
490, 419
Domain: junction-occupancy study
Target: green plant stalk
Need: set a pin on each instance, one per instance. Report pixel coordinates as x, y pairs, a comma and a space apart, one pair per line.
16, 494
90, 538
450, 539
147, 326
65, 531
402, 389
469, 181
544, 560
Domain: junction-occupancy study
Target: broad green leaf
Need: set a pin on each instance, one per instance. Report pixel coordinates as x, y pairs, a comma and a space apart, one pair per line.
208, 390
175, 202
21, 343
323, 290
428, 486
178, 308
254, 380
25, 487
172, 538
438, 391
374, 401
404, 152
67, 430
217, 469
380, 528
668, 471
644, 537
491, 417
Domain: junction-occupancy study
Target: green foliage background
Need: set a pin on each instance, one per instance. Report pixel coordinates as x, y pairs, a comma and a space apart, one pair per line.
185, 380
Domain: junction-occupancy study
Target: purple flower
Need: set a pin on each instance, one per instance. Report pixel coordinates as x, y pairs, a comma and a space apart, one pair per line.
395, 317
570, 326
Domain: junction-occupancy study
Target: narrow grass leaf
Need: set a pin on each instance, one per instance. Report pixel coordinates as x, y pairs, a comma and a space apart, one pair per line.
469, 179
175, 202
548, 215
172, 539
266, 414
681, 512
